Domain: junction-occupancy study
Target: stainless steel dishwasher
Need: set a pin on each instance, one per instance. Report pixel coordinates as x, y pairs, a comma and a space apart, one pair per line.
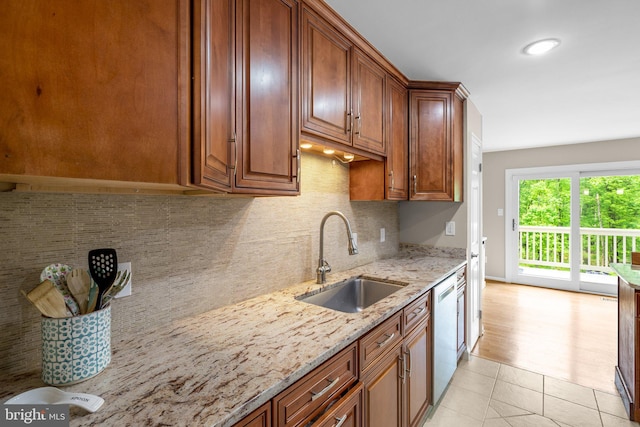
444, 335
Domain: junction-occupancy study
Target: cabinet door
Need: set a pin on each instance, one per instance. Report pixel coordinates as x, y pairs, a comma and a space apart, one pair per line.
266, 158
92, 89
368, 104
383, 392
431, 148
261, 417
418, 373
397, 163
326, 80
213, 94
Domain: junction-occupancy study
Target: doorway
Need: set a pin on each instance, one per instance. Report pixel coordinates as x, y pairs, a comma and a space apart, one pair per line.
566, 225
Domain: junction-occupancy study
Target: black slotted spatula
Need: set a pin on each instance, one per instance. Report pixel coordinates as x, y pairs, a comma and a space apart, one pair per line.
103, 266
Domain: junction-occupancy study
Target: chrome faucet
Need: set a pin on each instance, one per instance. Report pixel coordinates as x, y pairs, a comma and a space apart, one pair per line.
323, 265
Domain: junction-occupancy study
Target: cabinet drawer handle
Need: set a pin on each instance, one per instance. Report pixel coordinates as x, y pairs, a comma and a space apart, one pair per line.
359, 119
392, 181
408, 353
419, 311
340, 421
389, 338
324, 390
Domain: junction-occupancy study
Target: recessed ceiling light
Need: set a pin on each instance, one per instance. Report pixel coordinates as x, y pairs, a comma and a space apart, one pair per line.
541, 47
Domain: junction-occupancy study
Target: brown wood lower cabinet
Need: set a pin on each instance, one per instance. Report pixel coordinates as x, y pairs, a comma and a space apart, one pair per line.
393, 363
398, 384
383, 391
261, 417
418, 375
626, 373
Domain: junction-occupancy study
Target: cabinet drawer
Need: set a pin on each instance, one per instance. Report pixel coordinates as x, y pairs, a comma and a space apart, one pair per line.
347, 412
311, 394
381, 339
416, 311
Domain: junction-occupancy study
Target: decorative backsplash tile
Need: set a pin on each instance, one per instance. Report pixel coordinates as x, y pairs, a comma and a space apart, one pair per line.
189, 254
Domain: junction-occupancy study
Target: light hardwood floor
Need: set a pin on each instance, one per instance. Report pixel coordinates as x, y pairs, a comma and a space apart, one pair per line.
567, 335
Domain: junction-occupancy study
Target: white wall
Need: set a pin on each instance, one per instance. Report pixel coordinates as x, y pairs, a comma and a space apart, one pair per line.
495, 164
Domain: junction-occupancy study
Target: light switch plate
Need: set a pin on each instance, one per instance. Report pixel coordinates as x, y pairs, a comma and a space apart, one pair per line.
126, 291
450, 228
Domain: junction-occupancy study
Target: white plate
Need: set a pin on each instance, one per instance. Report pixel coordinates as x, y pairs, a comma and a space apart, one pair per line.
53, 396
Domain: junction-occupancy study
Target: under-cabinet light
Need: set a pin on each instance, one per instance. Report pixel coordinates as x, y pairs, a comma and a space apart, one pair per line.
328, 151
306, 145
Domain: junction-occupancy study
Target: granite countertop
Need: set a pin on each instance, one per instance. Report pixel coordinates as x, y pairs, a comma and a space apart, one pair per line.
217, 367
630, 274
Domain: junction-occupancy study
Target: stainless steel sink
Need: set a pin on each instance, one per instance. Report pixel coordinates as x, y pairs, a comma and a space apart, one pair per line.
352, 295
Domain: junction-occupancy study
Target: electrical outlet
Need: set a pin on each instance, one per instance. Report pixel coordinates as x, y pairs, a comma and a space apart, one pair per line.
126, 291
450, 228
382, 235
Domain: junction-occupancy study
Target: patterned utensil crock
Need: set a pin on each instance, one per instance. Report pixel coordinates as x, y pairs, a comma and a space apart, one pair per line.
75, 348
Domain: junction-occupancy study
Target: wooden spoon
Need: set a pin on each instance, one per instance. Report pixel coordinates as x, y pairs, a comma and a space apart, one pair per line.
47, 299
79, 284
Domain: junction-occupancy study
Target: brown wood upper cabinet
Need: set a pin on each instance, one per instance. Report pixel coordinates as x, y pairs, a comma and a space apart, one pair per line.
388, 179
343, 90
91, 91
245, 100
436, 113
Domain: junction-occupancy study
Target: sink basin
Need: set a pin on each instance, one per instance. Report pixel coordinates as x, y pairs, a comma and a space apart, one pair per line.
352, 295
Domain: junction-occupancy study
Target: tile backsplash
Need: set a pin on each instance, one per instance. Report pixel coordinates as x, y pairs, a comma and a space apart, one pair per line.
189, 254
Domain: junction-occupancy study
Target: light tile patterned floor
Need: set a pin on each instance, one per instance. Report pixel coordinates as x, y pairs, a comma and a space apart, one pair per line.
483, 393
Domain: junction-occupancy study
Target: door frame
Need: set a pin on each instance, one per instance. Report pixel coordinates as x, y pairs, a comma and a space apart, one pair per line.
475, 279
575, 172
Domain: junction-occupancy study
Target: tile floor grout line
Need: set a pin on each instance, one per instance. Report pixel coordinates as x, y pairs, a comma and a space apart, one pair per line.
544, 380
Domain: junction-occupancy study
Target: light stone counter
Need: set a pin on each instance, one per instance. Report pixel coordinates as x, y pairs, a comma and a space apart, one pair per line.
631, 274
215, 368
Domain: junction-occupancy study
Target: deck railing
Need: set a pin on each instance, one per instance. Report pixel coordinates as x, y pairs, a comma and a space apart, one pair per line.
548, 247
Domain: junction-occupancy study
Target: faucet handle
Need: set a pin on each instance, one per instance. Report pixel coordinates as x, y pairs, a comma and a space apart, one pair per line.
353, 246
322, 270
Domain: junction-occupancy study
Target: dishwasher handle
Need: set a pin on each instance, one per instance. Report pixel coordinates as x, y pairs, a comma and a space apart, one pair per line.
444, 294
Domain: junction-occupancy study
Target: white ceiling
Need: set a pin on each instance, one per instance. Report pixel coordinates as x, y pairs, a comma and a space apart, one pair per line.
587, 89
